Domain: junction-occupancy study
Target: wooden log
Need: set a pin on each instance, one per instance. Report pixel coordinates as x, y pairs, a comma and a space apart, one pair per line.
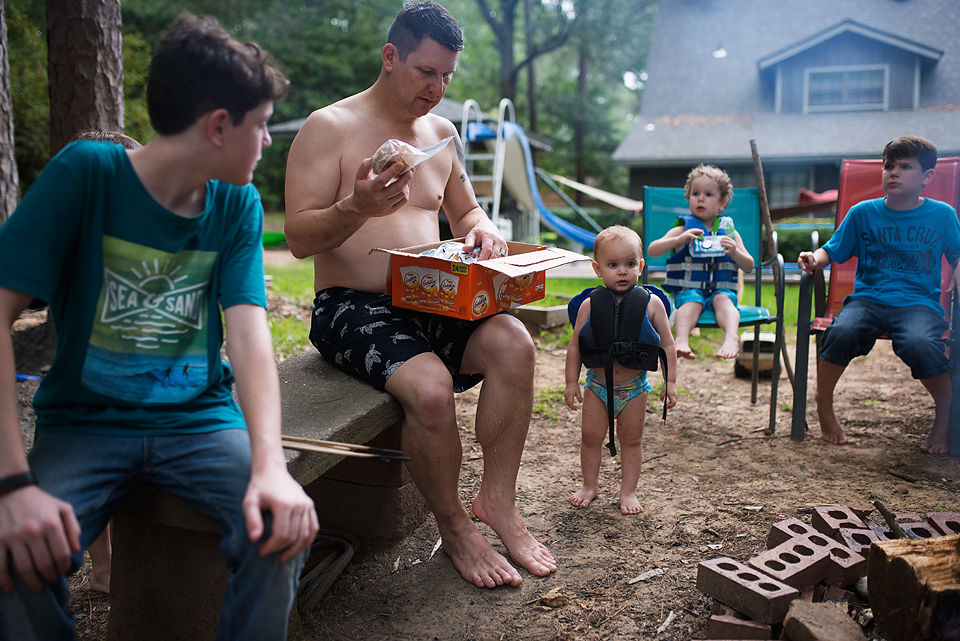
914, 588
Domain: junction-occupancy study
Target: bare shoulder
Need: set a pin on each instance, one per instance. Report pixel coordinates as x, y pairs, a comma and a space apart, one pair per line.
334, 121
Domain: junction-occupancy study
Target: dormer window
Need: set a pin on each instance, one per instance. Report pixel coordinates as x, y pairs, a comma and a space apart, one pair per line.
850, 88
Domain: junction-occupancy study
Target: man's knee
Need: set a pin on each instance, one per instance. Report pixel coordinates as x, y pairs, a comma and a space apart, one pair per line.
424, 387
502, 343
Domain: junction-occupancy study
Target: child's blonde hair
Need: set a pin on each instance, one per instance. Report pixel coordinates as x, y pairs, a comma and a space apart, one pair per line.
616, 232
709, 171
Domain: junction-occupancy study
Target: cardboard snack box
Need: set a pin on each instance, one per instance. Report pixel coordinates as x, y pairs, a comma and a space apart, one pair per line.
471, 290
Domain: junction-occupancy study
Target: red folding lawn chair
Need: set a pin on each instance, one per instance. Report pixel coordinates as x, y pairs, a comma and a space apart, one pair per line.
860, 180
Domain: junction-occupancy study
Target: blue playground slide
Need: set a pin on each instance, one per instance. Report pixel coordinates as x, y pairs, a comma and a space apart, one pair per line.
521, 180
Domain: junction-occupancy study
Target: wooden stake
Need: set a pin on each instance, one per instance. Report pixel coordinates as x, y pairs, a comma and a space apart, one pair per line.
771, 248
341, 449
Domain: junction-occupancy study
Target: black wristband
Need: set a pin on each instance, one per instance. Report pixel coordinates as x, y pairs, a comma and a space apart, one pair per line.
16, 481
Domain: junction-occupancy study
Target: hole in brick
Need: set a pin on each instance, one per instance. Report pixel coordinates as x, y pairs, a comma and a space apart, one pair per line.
834, 514
729, 567
847, 524
802, 549
953, 525
862, 539
796, 527
840, 554
819, 540
922, 532
746, 576
786, 556
769, 587
775, 565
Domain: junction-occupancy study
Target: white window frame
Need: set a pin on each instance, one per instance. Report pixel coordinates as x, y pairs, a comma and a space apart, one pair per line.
807, 108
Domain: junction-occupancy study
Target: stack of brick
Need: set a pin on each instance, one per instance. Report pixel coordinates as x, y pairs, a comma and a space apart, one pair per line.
805, 562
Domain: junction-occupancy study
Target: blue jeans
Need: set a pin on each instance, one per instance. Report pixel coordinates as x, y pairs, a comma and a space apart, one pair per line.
210, 470
915, 330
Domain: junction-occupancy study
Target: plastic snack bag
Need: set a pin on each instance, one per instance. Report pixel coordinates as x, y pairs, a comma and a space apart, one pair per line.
453, 251
398, 151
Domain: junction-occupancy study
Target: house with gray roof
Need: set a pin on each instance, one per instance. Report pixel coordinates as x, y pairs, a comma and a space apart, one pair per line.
812, 81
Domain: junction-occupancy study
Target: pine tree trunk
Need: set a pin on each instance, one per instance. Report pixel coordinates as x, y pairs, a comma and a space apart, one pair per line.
9, 183
85, 68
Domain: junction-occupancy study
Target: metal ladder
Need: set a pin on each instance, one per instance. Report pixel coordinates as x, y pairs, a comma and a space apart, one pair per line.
491, 204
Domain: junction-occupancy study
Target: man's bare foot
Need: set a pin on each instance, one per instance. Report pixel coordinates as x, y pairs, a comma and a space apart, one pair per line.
830, 429
100, 579
477, 561
584, 496
630, 504
684, 351
938, 441
729, 349
523, 548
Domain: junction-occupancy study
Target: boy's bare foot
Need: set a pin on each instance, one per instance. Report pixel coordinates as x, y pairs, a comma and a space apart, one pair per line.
830, 428
523, 548
583, 497
729, 349
938, 440
684, 351
630, 504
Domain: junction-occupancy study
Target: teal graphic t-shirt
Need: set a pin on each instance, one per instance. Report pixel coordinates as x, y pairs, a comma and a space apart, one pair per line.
135, 294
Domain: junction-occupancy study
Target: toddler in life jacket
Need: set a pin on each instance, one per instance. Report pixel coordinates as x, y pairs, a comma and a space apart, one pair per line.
705, 254
618, 261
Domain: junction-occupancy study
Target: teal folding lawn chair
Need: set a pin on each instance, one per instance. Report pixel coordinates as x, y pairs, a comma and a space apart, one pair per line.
662, 206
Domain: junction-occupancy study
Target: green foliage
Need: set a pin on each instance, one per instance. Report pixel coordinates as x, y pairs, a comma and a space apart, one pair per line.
27, 50
793, 241
548, 403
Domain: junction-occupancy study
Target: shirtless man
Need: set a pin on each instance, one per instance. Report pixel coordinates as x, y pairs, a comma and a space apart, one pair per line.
337, 211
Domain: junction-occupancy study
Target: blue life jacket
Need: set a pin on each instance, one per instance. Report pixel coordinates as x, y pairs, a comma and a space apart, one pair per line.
621, 332
686, 271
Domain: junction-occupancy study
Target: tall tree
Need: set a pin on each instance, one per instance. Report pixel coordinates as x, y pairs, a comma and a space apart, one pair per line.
550, 28
84, 67
9, 185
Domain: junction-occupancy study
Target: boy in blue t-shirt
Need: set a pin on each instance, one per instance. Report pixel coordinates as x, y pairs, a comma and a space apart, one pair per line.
898, 241
137, 252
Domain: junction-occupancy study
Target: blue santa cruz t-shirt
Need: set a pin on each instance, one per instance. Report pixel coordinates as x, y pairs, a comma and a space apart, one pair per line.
898, 252
135, 294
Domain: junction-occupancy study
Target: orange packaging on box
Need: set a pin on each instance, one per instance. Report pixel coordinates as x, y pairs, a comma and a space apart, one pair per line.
471, 290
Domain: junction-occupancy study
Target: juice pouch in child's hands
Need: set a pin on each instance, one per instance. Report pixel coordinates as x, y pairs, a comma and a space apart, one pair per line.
398, 151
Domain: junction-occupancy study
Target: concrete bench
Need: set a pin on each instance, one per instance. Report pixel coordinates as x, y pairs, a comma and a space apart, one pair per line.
168, 576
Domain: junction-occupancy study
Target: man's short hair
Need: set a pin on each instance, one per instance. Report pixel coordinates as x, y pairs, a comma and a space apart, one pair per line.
617, 232
419, 20
724, 184
911, 147
198, 67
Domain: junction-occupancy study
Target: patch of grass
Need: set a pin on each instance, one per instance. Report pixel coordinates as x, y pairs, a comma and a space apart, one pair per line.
547, 403
293, 281
290, 336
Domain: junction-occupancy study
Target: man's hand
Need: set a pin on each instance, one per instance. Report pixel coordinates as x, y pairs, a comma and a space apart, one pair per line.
375, 196
294, 518
490, 242
40, 533
807, 262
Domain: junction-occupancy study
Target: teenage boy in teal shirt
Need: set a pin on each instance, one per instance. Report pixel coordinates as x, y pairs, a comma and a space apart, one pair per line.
898, 241
137, 252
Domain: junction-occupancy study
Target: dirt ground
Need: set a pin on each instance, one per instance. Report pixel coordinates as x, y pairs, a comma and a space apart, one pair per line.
712, 485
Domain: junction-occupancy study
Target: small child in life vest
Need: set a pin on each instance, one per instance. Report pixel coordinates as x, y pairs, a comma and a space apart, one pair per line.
706, 252
618, 261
